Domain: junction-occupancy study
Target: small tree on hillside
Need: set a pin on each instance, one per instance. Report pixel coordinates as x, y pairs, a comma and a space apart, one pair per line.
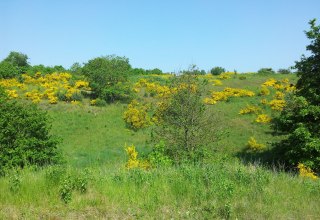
186, 125
24, 136
217, 70
300, 119
107, 75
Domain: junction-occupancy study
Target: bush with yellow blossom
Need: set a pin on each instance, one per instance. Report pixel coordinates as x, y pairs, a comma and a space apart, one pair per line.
136, 115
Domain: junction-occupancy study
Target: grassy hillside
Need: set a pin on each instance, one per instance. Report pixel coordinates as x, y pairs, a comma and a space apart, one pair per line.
93, 140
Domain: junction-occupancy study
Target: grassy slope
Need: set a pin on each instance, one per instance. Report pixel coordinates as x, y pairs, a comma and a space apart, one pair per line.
93, 138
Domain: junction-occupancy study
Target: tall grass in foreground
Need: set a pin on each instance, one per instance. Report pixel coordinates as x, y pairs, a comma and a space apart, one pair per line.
222, 189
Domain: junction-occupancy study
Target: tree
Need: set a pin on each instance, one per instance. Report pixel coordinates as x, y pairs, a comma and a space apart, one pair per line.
8, 70
107, 76
266, 71
24, 136
217, 70
186, 126
300, 120
17, 59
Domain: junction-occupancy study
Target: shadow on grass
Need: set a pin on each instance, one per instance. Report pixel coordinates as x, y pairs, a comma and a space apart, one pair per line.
270, 158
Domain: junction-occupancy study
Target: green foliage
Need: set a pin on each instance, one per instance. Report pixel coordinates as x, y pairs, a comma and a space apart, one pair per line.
100, 102
71, 183
284, 71
45, 69
25, 137
158, 156
106, 74
14, 182
120, 91
301, 117
17, 59
217, 70
266, 71
186, 125
76, 69
8, 70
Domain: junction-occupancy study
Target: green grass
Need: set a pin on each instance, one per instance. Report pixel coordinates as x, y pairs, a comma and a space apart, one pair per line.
93, 141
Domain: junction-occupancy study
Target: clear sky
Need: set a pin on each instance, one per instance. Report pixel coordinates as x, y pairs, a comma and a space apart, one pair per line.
168, 34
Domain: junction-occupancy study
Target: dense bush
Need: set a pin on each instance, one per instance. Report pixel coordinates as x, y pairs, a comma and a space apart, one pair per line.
32, 70
107, 76
284, 71
24, 136
217, 70
300, 119
266, 71
8, 70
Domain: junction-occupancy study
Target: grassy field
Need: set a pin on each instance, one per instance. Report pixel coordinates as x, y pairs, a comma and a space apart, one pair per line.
228, 185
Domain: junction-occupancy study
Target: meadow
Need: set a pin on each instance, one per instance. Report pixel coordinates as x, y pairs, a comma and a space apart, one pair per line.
234, 181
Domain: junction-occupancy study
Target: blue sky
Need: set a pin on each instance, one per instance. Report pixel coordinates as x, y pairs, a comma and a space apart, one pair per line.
245, 35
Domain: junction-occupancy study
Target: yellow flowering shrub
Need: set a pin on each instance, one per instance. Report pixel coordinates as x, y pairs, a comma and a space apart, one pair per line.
279, 95
270, 82
250, 109
277, 105
133, 161
226, 75
264, 101
136, 116
216, 82
48, 86
305, 171
263, 118
264, 91
227, 93
254, 145
12, 94
93, 102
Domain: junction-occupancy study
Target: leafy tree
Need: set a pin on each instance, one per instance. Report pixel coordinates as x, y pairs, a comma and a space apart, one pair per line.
8, 70
24, 136
186, 125
217, 70
266, 71
284, 71
17, 59
107, 76
155, 71
300, 119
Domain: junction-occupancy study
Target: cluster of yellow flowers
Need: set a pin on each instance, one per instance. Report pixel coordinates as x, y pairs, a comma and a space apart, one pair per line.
279, 85
305, 171
152, 87
45, 87
136, 115
264, 90
227, 93
12, 93
226, 75
161, 91
216, 82
263, 118
133, 161
250, 109
254, 145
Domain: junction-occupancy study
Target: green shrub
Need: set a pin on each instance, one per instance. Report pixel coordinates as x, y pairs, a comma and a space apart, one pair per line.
25, 137
217, 70
284, 71
8, 70
100, 102
105, 75
242, 77
266, 71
